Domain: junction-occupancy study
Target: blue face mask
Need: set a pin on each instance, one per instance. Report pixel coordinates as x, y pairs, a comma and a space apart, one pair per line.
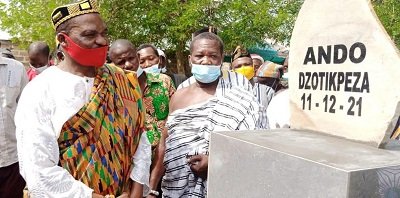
206, 73
139, 71
152, 69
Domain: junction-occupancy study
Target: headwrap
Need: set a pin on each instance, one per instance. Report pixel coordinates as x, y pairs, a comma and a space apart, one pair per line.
66, 12
256, 56
270, 70
239, 53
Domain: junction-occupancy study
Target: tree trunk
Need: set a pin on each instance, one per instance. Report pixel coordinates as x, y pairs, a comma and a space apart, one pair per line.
180, 58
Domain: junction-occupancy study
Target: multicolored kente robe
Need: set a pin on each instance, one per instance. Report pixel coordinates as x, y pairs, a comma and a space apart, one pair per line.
98, 143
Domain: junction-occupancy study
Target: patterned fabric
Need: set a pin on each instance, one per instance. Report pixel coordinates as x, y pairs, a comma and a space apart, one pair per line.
269, 69
264, 95
157, 93
66, 12
189, 134
97, 144
230, 80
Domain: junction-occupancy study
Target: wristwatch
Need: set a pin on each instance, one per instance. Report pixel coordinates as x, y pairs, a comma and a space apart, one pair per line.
154, 192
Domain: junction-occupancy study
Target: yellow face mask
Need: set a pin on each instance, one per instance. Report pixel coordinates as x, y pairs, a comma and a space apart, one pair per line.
247, 71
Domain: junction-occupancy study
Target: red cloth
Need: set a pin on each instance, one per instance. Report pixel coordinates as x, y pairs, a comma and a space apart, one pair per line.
31, 73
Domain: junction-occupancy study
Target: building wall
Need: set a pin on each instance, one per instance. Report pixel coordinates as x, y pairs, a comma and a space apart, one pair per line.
20, 54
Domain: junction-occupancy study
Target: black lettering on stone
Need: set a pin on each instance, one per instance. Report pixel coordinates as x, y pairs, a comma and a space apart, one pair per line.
314, 81
326, 55
363, 52
308, 75
355, 87
332, 86
347, 84
339, 48
326, 80
321, 80
310, 57
365, 83
301, 80
340, 80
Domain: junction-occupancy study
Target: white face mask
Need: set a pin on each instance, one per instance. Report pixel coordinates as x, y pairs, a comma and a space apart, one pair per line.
152, 69
139, 71
39, 69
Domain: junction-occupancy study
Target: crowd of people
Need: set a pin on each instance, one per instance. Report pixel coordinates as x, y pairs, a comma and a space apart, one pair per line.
81, 127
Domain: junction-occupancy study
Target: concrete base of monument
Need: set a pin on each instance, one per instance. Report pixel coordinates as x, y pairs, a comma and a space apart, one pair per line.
287, 163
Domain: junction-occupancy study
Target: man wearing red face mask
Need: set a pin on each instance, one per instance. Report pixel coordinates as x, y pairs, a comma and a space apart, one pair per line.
80, 123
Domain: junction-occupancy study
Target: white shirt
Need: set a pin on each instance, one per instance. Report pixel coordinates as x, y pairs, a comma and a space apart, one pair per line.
47, 102
13, 79
278, 111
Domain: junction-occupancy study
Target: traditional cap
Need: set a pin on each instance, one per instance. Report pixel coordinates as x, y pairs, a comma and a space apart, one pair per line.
239, 53
161, 53
66, 12
269, 69
256, 56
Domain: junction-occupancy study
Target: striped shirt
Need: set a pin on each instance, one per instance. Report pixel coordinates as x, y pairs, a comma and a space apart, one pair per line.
230, 79
189, 134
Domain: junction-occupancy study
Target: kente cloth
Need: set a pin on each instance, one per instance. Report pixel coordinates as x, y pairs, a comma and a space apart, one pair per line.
262, 93
97, 143
189, 134
157, 93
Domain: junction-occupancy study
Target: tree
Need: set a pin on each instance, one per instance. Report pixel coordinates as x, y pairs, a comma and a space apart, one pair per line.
28, 21
168, 24
388, 12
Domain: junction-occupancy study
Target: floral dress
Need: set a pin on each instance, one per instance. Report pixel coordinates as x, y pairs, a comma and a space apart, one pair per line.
157, 94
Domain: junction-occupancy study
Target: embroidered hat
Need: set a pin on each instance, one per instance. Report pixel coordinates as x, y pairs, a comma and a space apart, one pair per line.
66, 12
240, 52
269, 69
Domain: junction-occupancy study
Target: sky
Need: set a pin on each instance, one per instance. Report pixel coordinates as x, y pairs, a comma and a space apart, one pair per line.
4, 35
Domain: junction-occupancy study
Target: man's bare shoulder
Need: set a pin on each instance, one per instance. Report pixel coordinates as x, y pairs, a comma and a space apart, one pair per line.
180, 98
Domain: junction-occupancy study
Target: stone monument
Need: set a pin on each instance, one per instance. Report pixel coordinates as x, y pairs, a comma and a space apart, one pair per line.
344, 103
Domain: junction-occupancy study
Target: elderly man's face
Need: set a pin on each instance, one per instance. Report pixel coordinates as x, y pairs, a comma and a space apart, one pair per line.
148, 57
126, 58
89, 31
206, 52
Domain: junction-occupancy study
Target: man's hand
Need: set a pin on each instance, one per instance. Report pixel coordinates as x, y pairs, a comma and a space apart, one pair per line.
124, 195
199, 165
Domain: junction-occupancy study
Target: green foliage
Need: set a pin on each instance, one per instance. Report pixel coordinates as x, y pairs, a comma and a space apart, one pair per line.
388, 12
28, 20
169, 24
